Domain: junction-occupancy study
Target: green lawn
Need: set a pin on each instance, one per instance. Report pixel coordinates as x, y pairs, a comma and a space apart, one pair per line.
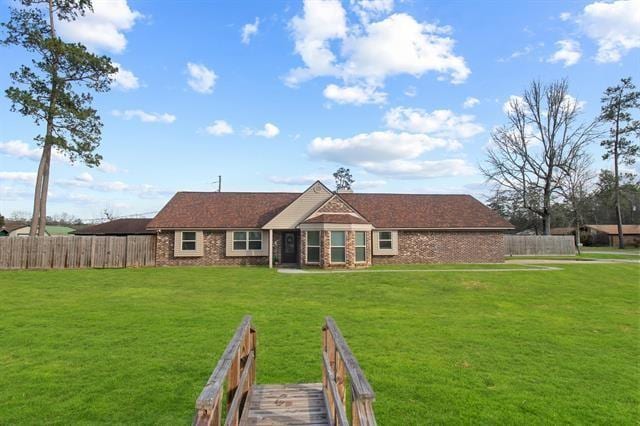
136, 346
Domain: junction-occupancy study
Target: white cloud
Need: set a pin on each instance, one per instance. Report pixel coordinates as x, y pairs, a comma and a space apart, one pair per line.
367, 9
568, 52
514, 100
145, 117
368, 184
124, 79
107, 167
470, 102
219, 128
402, 169
322, 21
28, 177
614, 26
112, 186
104, 28
374, 147
356, 95
249, 30
201, 79
565, 16
85, 177
18, 149
371, 51
269, 131
440, 123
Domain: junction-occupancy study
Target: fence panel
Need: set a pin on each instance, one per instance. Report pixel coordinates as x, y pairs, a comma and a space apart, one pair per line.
77, 252
537, 245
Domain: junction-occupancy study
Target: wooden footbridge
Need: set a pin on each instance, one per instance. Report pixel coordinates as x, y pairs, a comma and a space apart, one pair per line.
244, 403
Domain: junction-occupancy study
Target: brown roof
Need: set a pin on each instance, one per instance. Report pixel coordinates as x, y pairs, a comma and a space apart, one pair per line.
342, 218
117, 227
11, 226
220, 210
214, 210
423, 211
613, 229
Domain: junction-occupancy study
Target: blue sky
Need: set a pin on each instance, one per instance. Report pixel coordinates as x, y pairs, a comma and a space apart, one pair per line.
274, 94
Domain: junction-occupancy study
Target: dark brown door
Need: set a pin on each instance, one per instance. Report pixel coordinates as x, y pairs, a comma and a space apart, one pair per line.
289, 247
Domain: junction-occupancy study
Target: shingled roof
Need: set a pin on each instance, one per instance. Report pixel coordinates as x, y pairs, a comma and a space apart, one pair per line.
220, 210
229, 210
137, 226
421, 211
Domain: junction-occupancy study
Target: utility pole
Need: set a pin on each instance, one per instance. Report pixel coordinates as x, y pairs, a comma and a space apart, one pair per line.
219, 182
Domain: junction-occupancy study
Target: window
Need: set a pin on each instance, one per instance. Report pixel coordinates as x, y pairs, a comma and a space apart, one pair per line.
188, 241
313, 246
337, 247
361, 246
247, 240
385, 240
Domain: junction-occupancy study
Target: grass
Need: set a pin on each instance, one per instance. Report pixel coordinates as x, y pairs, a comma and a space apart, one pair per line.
136, 346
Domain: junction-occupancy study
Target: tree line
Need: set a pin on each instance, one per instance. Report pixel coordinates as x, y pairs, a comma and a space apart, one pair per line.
540, 167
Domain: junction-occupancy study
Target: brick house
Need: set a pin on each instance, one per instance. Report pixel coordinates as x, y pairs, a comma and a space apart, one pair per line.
320, 228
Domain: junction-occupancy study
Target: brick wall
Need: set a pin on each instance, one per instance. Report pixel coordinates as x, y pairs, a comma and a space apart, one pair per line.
446, 247
214, 252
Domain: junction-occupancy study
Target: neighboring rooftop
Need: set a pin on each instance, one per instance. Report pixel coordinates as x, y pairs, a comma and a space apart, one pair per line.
117, 227
613, 229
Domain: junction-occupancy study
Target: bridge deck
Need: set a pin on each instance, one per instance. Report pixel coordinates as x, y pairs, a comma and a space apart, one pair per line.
300, 404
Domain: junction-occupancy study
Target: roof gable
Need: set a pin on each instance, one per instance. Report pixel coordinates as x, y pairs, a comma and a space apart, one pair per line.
291, 216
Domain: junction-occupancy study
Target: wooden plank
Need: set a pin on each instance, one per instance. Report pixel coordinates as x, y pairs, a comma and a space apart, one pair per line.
213, 387
286, 404
340, 414
518, 245
359, 382
233, 414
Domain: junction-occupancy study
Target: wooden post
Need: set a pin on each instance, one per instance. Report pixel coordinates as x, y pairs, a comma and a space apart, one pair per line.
270, 248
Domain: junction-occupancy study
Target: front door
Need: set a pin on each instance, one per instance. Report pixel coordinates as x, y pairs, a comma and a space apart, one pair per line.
289, 248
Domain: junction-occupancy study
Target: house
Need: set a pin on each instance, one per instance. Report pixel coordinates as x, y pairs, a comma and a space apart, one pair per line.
17, 229
608, 234
118, 227
325, 229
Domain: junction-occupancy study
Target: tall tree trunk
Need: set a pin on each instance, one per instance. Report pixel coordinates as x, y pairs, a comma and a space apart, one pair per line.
42, 227
546, 223
35, 218
577, 219
617, 180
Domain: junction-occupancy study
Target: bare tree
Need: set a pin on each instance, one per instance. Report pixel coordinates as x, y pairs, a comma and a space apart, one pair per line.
575, 190
538, 146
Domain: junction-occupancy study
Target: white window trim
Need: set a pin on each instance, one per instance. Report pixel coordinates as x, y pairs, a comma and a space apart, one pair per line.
355, 243
308, 262
331, 246
377, 251
231, 252
177, 244
247, 240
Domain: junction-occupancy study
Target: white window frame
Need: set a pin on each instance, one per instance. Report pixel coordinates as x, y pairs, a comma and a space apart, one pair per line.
364, 246
344, 248
246, 252
194, 241
377, 250
318, 246
390, 240
178, 239
247, 240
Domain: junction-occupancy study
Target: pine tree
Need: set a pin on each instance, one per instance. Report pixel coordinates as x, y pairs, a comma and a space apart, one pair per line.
622, 146
49, 90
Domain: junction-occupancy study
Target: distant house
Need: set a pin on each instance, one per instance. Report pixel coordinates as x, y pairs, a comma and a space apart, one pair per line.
21, 229
608, 234
322, 228
17, 229
118, 227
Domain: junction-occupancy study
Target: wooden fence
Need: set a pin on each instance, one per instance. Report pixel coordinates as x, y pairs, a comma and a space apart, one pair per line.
535, 245
77, 252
